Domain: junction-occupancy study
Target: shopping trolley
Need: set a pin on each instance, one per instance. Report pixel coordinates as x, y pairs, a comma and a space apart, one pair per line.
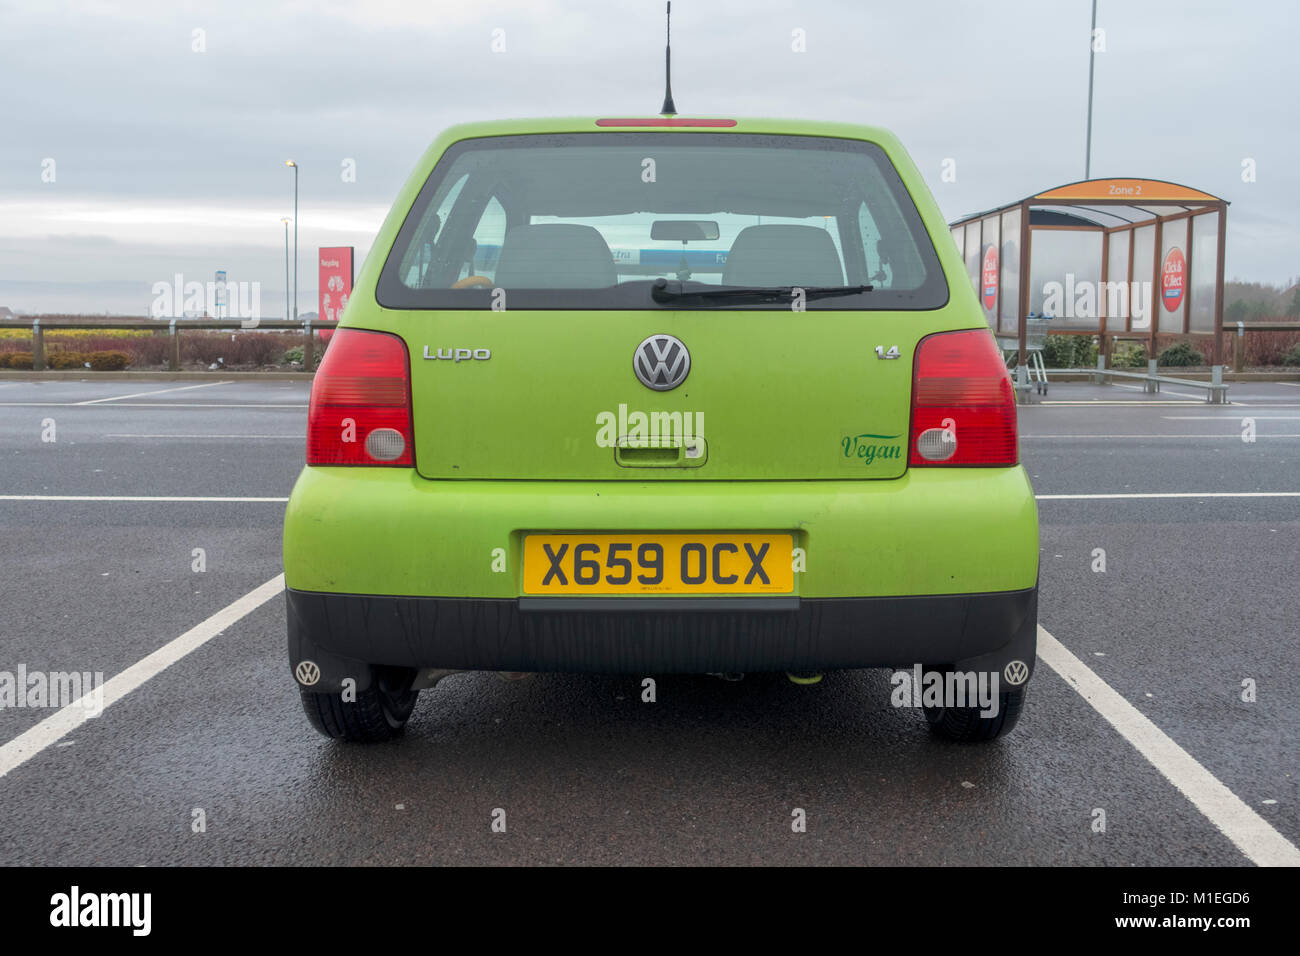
1035, 336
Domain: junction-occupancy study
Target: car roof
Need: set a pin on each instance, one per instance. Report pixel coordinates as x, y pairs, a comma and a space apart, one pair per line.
609, 123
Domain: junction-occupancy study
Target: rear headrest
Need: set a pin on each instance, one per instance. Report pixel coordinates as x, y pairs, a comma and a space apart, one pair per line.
783, 255
555, 256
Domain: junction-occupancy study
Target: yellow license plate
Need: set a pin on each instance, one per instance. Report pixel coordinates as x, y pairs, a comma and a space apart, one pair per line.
580, 564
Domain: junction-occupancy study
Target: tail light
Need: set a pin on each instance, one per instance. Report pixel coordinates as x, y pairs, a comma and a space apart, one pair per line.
963, 406
360, 411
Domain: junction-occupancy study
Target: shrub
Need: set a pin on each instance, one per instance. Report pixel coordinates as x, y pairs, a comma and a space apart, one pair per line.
206, 349
1292, 357
1264, 348
109, 361
293, 355
148, 351
1070, 351
25, 332
89, 342
234, 349
1129, 355
1086, 351
1058, 351
254, 348
22, 360
63, 359
1181, 355
4, 359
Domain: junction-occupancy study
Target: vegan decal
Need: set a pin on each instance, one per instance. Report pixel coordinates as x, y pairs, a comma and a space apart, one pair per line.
868, 447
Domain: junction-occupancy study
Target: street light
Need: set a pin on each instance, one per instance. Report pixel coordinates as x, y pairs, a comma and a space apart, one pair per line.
1092, 56
290, 162
285, 220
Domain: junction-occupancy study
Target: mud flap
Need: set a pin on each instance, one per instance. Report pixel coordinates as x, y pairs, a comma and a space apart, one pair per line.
1014, 661
318, 670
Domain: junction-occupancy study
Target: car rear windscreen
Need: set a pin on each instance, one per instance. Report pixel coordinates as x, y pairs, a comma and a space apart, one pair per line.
597, 220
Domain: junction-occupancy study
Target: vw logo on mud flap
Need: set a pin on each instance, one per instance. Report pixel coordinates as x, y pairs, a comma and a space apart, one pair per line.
307, 673
1016, 673
661, 362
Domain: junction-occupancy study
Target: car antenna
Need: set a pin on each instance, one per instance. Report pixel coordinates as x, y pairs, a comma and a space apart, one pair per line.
669, 109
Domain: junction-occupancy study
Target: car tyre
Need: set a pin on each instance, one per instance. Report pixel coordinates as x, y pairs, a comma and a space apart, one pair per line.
379, 713
966, 725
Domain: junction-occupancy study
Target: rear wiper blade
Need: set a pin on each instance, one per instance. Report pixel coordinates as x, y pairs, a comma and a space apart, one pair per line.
662, 294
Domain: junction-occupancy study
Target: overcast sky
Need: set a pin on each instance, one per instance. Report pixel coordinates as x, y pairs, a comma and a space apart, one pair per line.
167, 160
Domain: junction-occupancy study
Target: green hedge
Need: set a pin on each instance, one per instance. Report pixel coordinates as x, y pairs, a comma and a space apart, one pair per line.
1180, 355
1070, 351
107, 360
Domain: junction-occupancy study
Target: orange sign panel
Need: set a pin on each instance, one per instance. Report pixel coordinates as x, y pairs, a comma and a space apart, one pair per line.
1136, 191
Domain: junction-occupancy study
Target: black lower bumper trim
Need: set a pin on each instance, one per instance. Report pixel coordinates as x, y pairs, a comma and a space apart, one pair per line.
808, 634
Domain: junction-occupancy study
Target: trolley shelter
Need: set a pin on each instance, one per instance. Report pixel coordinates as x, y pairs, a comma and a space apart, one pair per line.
1116, 258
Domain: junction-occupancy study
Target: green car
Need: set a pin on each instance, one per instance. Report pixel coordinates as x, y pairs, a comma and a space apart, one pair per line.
662, 395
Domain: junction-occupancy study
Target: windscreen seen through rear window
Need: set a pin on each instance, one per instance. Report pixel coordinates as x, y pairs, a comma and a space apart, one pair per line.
570, 222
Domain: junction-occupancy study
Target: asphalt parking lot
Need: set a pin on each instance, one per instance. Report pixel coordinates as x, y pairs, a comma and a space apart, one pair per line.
1136, 710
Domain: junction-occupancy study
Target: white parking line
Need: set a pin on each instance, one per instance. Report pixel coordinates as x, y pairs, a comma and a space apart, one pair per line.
68, 718
1232, 417
135, 435
134, 498
1088, 403
1251, 833
1174, 494
154, 405
157, 391
1231, 404
1235, 434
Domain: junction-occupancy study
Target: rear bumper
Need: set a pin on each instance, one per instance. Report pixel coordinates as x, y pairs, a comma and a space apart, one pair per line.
341, 633
386, 531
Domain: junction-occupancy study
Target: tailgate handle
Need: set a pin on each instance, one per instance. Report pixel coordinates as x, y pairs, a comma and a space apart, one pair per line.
689, 453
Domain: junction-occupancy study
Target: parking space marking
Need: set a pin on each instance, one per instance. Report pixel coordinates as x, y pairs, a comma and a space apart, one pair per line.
1172, 494
1251, 833
1235, 434
138, 498
294, 437
156, 391
155, 405
1094, 403
68, 718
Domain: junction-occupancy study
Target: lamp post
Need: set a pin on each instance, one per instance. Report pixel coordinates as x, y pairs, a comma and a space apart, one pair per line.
285, 220
1092, 56
291, 163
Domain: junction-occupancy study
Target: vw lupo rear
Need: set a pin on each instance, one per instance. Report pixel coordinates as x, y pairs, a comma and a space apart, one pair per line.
662, 396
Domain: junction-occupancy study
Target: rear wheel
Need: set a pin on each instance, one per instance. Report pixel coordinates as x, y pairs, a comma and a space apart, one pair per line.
967, 725
378, 713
